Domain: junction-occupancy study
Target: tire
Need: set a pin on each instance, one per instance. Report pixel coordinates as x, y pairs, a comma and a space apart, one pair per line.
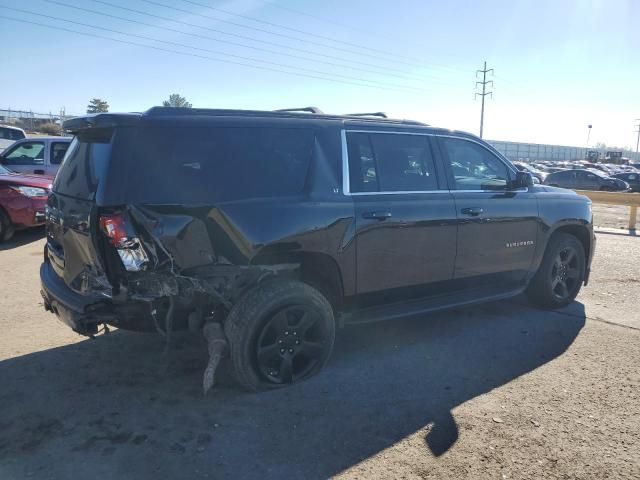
280, 332
561, 273
6, 227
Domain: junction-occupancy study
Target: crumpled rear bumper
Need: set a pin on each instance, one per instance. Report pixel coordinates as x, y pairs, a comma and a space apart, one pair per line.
80, 312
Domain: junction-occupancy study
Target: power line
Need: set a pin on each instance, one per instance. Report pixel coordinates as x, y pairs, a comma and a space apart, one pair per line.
484, 93
362, 30
380, 70
284, 35
291, 29
208, 50
317, 17
266, 42
161, 49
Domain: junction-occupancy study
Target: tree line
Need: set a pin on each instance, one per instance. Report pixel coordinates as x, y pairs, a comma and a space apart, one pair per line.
98, 105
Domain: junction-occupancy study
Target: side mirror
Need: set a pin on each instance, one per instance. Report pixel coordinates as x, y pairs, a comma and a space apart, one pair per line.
522, 180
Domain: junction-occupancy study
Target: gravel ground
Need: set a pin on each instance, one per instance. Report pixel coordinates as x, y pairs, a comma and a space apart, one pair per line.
497, 391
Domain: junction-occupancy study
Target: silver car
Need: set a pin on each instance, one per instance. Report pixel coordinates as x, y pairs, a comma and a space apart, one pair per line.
39, 155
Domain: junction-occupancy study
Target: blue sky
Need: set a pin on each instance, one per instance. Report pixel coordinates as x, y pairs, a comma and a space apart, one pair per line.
559, 65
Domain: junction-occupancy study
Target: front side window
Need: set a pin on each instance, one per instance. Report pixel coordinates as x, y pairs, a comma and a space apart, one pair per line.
58, 149
28, 153
384, 162
474, 167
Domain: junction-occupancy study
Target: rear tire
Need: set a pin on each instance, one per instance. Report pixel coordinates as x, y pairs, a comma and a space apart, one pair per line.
6, 227
561, 273
280, 332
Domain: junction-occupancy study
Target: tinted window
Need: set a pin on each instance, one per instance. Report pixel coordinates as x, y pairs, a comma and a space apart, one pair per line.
84, 165
201, 165
11, 134
390, 163
58, 149
28, 153
474, 167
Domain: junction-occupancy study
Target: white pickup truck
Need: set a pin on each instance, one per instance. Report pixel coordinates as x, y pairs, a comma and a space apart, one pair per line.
8, 135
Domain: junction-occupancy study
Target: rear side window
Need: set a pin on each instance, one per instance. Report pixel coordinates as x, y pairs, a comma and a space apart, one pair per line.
84, 164
204, 165
382, 162
58, 149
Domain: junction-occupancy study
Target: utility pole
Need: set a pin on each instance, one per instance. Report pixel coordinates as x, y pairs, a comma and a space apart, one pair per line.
638, 131
484, 93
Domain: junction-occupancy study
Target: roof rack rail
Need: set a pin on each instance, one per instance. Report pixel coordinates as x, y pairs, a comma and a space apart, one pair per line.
315, 110
373, 114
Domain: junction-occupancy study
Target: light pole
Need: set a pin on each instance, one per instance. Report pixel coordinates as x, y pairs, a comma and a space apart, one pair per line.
588, 134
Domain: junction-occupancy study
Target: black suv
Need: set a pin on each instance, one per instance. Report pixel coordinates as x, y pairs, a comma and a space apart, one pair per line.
271, 228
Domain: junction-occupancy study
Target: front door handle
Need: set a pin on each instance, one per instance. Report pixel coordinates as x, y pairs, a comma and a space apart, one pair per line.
376, 215
472, 211
39, 172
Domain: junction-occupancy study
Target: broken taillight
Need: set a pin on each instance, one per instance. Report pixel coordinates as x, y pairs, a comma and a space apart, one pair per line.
129, 248
113, 226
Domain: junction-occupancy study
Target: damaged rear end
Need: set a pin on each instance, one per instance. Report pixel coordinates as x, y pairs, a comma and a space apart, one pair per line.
136, 237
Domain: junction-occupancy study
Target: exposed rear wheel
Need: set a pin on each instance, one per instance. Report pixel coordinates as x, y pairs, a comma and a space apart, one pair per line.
279, 333
6, 227
561, 273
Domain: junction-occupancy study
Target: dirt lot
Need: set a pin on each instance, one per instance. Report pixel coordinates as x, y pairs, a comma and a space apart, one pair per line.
500, 391
611, 216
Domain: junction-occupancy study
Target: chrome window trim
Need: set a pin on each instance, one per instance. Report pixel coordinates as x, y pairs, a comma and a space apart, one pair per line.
346, 187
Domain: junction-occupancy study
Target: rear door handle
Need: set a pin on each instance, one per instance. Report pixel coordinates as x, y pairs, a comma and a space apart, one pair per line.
376, 215
472, 211
39, 172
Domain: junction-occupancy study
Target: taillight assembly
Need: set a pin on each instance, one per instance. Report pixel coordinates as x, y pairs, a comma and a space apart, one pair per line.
114, 227
129, 247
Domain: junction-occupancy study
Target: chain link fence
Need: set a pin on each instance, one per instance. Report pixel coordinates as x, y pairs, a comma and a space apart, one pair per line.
29, 120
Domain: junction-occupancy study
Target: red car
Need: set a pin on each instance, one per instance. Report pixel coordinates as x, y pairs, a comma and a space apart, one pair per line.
23, 199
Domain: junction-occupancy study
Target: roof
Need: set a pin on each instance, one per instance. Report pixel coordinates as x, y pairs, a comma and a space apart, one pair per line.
112, 119
46, 137
11, 127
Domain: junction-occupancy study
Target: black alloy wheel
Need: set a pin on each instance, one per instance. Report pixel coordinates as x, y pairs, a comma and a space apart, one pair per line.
565, 273
280, 332
291, 344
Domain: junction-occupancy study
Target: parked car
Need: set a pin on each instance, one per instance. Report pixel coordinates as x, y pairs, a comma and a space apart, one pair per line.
8, 135
585, 180
36, 155
265, 230
633, 179
23, 199
535, 173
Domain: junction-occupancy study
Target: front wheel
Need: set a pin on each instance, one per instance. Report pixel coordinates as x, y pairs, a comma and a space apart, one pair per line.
280, 332
561, 273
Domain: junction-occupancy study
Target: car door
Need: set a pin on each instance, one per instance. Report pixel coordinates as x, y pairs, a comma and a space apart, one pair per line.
25, 157
57, 151
497, 225
404, 216
587, 181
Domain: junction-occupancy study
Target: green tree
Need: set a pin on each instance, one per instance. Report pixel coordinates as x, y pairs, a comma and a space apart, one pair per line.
176, 100
97, 105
